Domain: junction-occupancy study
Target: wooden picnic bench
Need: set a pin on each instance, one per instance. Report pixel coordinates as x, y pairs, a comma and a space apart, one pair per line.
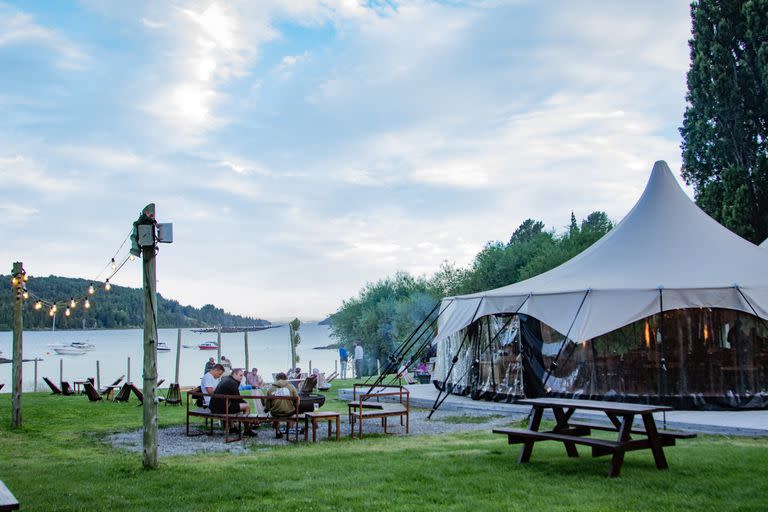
234, 419
571, 433
7, 500
369, 405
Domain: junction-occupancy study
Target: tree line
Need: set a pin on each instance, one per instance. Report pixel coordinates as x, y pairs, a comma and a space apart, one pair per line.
386, 312
119, 308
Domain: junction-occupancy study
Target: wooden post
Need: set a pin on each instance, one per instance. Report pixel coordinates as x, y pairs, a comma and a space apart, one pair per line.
18, 328
98, 375
218, 344
336, 366
128, 370
149, 403
36, 360
378, 368
309, 371
178, 354
61, 371
247, 364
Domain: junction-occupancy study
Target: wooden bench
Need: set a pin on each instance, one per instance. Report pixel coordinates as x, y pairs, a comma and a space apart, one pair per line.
7, 500
234, 419
365, 408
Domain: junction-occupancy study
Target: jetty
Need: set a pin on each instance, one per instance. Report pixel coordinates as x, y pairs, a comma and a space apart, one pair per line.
236, 329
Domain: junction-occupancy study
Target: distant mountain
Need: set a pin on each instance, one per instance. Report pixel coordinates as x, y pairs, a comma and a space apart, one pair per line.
121, 307
327, 321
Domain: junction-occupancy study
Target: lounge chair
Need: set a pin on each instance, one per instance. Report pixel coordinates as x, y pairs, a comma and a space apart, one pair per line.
404, 374
54, 388
124, 394
138, 393
66, 389
1, 386
331, 377
322, 382
107, 390
91, 392
159, 383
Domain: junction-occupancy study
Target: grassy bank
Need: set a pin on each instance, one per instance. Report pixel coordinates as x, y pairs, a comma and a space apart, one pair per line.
58, 461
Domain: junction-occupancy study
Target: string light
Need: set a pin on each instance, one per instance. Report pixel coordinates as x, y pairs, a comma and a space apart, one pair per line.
15, 281
54, 308
72, 303
24, 276
87, 304
90, 289
132, 257
51, 312
114, 265
25, 294
39, 305
107, 286
66, 312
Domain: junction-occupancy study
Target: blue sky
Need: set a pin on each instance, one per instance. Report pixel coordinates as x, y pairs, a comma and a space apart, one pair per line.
304, 147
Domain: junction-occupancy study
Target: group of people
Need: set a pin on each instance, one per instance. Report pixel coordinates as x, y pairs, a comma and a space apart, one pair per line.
344, 360
216, 382
252, 378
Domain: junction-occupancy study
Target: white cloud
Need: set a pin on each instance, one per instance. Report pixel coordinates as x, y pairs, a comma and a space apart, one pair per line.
18, 28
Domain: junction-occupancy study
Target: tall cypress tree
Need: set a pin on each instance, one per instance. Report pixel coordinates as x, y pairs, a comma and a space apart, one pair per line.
725, 129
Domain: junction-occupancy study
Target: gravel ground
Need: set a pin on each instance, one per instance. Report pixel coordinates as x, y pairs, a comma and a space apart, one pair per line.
173, 441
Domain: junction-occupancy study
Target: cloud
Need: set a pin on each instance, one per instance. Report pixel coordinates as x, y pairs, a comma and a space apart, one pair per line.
31, 175
11, 213
18, 28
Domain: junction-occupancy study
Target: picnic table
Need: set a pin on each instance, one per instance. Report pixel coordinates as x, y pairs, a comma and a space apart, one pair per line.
571, 433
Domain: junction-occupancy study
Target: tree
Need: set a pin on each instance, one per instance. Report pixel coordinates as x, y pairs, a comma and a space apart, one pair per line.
527, 231
725, 128
293, 330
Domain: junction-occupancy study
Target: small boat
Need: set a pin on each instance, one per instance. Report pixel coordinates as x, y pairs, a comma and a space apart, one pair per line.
69, 351
162, 347
208, 345
83, 345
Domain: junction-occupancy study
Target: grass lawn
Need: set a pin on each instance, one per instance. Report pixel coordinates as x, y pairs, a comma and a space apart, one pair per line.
57, 461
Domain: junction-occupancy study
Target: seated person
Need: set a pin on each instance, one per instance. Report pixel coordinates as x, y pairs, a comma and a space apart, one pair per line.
254, 379
230, 386
422, 367
295, 373
209, 382
281, 387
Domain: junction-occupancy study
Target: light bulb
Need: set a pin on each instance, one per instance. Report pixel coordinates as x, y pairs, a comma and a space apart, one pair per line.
15, 281
90, 289
72, 303
24, 277
107, 286
132, 257
87, 304
38, 305
25, 294
51, 312
114, 265
54, 308
66, 312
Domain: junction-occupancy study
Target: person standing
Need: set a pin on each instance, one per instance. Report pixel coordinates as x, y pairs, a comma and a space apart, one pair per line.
209, 365
343, 360
358, 360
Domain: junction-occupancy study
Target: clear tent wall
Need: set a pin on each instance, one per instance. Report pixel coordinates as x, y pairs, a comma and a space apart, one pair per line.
697, 358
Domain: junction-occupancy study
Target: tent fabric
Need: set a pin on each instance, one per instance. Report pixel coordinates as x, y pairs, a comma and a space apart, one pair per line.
665, 254
765, 243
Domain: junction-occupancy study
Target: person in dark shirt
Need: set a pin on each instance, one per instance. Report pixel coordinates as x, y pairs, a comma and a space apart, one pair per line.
230, 385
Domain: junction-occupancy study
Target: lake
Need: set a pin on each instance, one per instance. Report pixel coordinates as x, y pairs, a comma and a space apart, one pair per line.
269, 351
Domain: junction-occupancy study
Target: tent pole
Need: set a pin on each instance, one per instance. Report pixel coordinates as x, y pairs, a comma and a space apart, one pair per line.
662, 348
750, 305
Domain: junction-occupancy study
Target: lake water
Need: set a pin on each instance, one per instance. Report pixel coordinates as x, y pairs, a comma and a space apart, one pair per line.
269, 351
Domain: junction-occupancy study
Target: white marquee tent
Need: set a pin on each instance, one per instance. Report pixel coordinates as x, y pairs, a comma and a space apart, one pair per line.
665, 254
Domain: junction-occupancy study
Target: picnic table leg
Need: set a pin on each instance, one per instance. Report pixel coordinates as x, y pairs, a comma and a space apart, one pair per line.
562, 422
655, 441
618, 455
525, 453
338, 427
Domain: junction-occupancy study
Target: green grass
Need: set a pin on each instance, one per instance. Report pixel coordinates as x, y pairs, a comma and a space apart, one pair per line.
464, 419
57, 461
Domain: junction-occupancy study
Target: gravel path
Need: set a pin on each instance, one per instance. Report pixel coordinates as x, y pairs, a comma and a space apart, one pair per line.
173, 441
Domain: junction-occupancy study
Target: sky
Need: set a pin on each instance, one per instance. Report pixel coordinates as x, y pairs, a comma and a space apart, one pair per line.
302, 148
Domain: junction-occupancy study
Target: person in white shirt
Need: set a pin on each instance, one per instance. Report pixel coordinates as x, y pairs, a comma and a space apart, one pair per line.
209, 382
358, 360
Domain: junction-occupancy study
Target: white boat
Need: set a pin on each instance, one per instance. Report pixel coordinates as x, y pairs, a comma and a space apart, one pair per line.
83, 345
162, 347
69, 351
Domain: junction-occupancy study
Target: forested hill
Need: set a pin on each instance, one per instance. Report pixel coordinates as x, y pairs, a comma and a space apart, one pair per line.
120, 307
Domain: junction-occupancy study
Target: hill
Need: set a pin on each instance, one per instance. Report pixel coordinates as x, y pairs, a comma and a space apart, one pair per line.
121, 307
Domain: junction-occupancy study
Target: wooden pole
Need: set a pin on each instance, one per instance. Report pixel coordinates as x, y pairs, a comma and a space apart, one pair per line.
149, 403
36, 360
378, 368
178, 354
18, 328
218, 344
61, 370
336, 366
128, 370
245, 340
98, 375
309, 370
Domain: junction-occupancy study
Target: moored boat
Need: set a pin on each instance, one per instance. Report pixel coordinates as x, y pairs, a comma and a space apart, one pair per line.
208, 345
69, 351
163, 347
83, 345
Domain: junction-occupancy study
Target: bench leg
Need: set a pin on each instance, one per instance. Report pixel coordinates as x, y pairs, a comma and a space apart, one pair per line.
525, 453
655, 441
338, 426
618, 455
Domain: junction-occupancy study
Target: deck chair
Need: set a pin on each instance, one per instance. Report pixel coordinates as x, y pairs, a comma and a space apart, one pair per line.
322, 382
331, 377
404, 374
1, 386
66, 389
107, 390
91, 392
54, 388
124, 394
159, 383
138, 393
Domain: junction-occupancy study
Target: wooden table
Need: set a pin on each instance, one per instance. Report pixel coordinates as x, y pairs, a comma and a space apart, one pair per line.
79, 384
571, 433
314, 417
